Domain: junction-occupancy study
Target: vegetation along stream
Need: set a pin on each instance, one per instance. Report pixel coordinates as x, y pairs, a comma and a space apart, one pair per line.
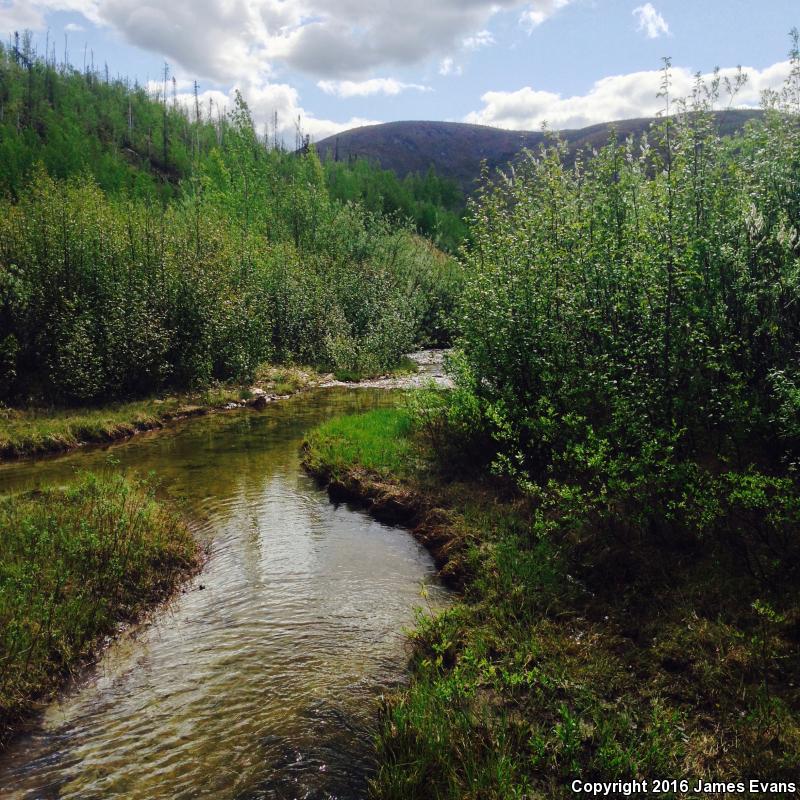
261, 679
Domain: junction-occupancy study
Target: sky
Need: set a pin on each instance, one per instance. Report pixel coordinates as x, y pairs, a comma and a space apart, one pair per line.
341, 63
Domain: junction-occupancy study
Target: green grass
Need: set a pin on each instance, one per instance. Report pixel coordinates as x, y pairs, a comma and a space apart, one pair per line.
567, 656
375, 441
33, 431
75, 562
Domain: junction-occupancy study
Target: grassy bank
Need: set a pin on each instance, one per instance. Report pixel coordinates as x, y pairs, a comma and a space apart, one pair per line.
38, 430
568, 655
34, 431
74, 563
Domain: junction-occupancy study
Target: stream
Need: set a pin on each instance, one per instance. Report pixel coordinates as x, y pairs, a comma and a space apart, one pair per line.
261, 679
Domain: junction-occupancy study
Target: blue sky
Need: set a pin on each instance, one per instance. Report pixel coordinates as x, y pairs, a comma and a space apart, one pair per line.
338, 63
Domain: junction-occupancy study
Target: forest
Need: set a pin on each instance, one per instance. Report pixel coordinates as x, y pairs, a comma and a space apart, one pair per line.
144, 245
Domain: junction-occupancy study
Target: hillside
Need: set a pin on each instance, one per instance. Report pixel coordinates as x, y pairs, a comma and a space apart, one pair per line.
456, 149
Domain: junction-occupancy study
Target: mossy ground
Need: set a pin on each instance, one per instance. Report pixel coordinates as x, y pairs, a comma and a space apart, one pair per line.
74, 563
565, 658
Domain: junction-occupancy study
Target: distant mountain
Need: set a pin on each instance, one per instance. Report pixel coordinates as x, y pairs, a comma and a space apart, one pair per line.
456, 149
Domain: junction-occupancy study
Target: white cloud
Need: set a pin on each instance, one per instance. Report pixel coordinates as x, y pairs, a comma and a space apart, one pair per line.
448, 67
539, 11
19, 16
650, 21
265, 100
224, 40
612, 98
482, 38
73, 27
388, 86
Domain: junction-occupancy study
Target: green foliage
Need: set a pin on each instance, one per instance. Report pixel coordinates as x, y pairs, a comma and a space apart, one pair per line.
609, 658
630, 329
629, 339
72, 122
105, 293
74, 562
434, 204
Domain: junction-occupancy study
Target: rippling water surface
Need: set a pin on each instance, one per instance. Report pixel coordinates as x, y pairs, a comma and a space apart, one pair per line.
261, 679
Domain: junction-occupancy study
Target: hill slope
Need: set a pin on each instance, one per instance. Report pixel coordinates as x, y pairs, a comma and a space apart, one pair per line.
456, 149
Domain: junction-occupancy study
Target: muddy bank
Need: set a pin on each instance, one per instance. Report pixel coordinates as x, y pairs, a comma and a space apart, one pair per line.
394, 503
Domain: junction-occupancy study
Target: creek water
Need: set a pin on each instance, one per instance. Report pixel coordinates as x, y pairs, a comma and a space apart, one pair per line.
260, 680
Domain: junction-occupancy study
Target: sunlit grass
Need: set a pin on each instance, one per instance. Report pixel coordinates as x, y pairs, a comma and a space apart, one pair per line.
377, 441
74, 562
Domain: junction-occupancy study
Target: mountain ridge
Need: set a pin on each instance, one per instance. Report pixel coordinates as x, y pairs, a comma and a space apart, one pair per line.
456, 149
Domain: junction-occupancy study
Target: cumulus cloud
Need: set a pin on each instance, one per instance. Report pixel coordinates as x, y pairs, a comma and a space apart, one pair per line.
19, 16
348, 38
612, 98
480, 39
330, 39
73, 27
388, 86
650, 21
539, 11
449, 67
215, 39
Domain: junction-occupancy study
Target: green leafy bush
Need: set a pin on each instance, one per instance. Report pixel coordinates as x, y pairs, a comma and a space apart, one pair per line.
630, 328
104, 297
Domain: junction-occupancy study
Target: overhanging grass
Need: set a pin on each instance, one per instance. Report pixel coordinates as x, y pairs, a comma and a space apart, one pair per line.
563, 660
74, 562
377, 440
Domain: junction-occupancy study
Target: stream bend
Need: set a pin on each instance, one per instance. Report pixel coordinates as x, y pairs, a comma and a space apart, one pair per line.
260, 679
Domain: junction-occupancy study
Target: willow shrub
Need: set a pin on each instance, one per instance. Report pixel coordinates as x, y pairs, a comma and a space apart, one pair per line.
102, 298
105, 297
636, 314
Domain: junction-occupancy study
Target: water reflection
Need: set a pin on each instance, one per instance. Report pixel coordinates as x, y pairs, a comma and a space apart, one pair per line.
260, 680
